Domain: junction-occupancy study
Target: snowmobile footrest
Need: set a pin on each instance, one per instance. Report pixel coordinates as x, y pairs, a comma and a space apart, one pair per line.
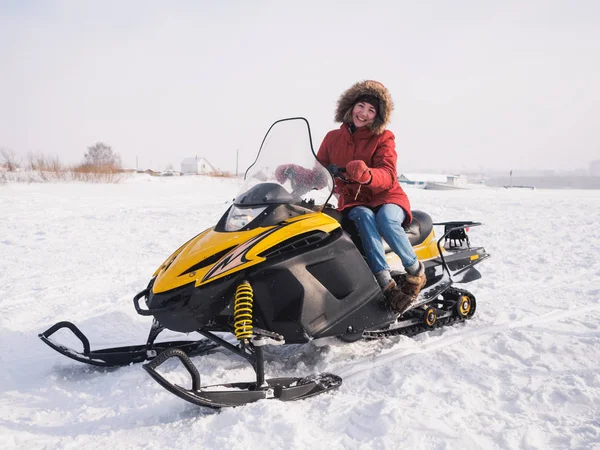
238, 394
119, 356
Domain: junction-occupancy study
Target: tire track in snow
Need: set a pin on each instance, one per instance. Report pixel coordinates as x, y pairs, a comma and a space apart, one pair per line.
353, 369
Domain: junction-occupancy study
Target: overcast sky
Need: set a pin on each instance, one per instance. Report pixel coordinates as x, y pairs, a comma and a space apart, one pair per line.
476, 84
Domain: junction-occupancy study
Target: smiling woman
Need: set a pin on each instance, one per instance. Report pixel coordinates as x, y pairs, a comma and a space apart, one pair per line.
373, 201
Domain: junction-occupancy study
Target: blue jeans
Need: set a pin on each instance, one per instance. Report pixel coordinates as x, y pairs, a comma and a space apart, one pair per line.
386, 222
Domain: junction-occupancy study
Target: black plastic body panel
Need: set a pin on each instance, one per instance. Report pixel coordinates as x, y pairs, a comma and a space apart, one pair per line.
193, 307
459, 262
317, 293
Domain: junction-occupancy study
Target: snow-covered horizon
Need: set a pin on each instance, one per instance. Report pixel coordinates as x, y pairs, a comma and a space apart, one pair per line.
523, 373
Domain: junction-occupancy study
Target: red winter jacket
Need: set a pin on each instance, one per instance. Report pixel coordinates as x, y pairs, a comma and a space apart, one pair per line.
379, 153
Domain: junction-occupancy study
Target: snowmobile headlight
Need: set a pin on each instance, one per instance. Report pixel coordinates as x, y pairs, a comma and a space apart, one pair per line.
238, 218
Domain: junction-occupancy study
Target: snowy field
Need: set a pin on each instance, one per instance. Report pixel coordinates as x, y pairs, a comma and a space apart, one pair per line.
524, 373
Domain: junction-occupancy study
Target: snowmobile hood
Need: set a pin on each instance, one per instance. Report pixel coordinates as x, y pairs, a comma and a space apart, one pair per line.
212, 255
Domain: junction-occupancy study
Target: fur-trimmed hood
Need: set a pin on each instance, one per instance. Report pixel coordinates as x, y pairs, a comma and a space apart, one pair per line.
343, 112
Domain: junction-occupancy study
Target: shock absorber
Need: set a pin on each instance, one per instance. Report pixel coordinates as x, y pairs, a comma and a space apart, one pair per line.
242, 311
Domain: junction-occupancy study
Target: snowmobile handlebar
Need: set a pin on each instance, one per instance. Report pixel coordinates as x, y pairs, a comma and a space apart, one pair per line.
339, 173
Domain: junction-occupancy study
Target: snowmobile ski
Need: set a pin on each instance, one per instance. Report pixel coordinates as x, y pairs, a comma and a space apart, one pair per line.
121, 356
238, 394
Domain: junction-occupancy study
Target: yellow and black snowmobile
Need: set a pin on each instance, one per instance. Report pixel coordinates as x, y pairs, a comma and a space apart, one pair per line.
279, 268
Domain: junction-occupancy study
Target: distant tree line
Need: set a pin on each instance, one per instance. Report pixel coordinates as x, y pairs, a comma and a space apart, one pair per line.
99, 157
100, 163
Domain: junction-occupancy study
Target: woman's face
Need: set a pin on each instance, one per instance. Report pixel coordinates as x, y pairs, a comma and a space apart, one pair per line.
363, 114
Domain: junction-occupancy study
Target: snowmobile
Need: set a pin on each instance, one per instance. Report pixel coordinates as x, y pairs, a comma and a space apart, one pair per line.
279, 268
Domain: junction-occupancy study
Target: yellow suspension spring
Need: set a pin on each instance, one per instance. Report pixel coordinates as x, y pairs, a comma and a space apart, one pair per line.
242, 311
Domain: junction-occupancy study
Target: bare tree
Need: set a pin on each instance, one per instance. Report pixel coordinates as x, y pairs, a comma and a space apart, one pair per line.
101, 157
9, 160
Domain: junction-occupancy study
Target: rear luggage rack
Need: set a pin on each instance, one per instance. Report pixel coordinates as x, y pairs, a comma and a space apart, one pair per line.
455, 233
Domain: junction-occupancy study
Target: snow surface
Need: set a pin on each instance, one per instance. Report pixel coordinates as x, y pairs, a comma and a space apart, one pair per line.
523, 373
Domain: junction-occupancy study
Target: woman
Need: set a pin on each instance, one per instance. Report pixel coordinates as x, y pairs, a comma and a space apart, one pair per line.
375, 202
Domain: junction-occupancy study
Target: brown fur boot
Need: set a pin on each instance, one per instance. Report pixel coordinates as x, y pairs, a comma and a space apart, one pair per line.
402, 298
389, 288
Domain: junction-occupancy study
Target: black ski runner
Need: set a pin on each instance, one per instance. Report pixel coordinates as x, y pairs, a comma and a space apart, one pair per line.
122, 356
238, 394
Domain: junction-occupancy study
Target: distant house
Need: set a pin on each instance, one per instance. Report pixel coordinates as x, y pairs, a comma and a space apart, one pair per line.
419, 180
197, 165
432, 180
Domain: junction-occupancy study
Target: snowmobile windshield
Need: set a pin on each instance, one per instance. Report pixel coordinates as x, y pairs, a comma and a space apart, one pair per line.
286, 170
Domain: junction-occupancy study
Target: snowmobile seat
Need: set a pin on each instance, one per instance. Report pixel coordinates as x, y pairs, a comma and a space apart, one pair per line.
419, 228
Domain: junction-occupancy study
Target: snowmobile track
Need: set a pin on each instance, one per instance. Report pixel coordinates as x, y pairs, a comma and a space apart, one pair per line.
417, 328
